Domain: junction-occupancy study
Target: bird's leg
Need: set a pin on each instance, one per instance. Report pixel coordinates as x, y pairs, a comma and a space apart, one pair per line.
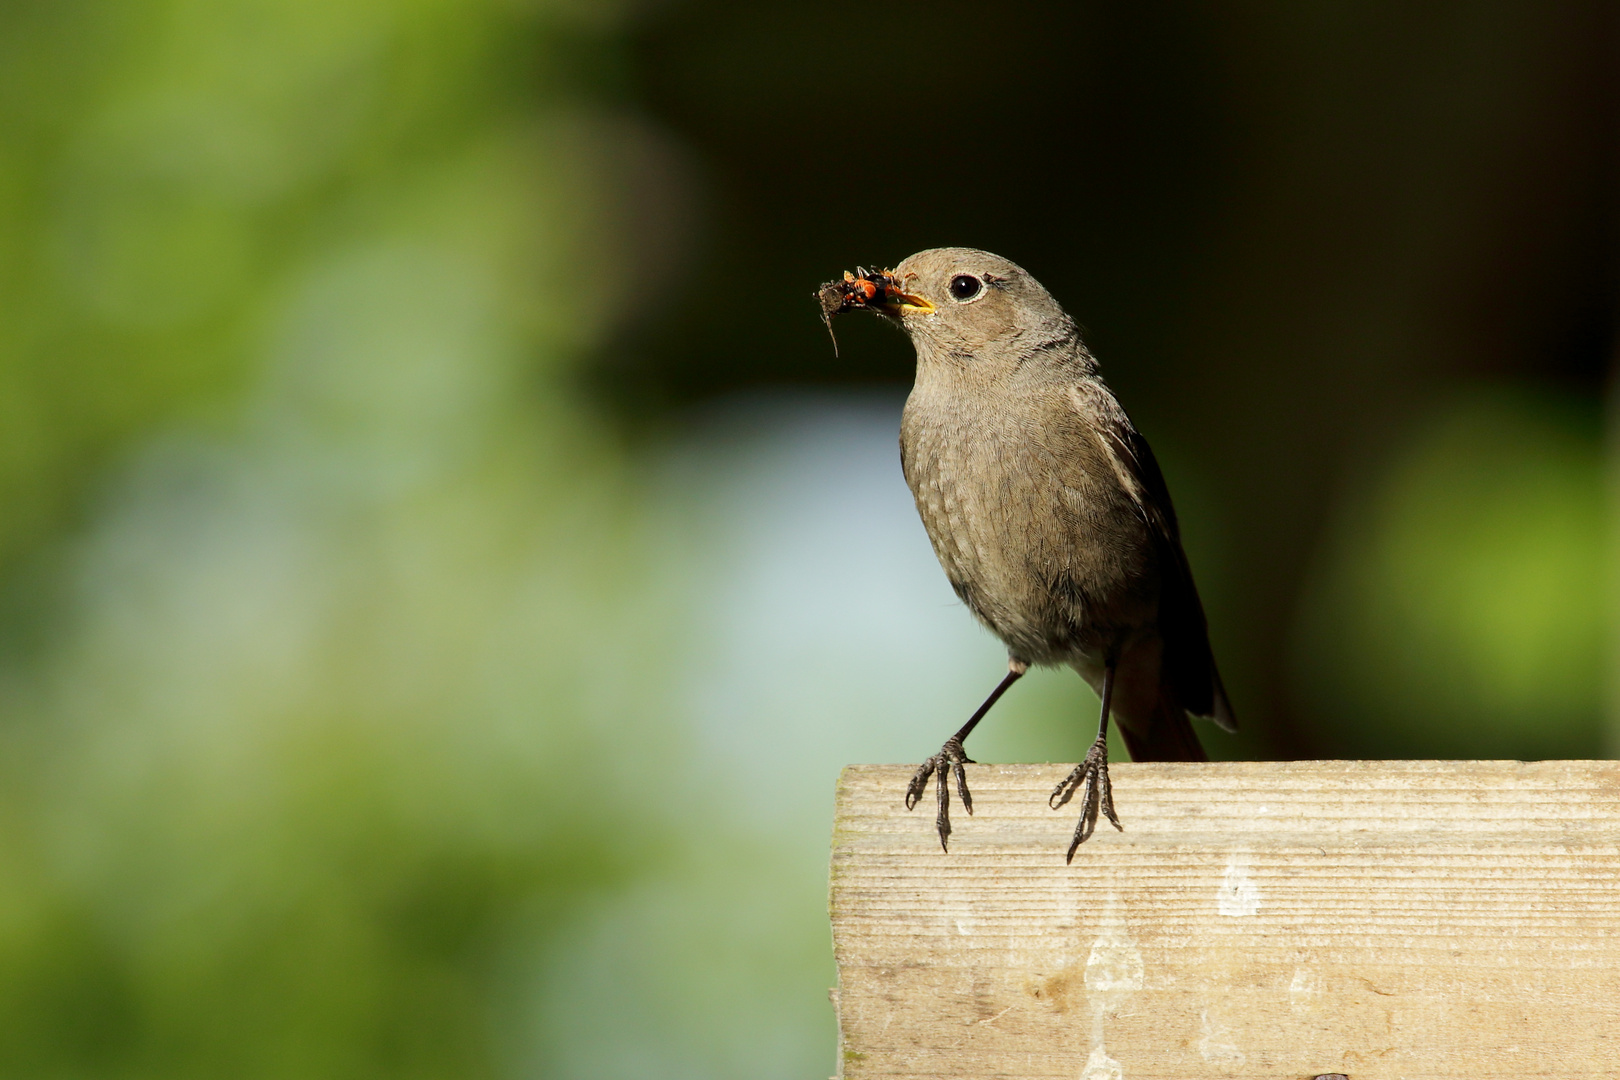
951, 757
1092, 775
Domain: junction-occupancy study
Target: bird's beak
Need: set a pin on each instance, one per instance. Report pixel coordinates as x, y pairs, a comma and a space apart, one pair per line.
896, 302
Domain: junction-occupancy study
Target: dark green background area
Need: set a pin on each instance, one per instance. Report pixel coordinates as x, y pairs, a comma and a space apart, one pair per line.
1290, 231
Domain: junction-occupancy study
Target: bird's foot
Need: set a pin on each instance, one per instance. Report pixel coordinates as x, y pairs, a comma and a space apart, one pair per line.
1090, 777
947, 763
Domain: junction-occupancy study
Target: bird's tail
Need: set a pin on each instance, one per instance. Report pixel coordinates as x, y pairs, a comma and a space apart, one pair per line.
1165, 733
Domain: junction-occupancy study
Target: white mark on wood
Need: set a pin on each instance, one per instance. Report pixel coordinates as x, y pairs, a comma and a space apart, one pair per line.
998, 1015
1114, 963
1113, 971
962, 927
1305, 992
1238, 895
1099, 1066
1217, 1044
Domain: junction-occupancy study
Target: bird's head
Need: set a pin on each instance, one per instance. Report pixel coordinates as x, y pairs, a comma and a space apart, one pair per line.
958, 302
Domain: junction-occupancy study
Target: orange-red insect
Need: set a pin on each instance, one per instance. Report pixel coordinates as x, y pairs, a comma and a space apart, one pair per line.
857, 290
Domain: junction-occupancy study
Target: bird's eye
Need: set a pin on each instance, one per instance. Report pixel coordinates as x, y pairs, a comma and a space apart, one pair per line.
965, 287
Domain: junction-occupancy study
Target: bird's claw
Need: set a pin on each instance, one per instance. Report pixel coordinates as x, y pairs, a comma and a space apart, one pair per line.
1090, 777
947, 763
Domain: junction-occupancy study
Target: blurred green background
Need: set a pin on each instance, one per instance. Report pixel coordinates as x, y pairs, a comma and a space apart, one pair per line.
443, 564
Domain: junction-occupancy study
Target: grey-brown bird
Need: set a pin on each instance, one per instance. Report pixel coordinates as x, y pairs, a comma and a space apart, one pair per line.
1047, 511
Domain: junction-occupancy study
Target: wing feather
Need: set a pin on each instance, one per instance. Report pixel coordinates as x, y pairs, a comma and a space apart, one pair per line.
1188, 660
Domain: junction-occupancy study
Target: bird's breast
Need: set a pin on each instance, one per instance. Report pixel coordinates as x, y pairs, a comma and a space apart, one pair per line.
1028, 520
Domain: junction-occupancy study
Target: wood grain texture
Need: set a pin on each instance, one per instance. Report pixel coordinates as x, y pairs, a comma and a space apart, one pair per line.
1382, 919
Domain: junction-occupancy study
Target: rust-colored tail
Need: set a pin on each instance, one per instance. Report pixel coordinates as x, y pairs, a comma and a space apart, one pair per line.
1166, 735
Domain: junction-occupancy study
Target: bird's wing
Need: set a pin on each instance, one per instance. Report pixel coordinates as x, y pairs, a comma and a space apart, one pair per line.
1189, 661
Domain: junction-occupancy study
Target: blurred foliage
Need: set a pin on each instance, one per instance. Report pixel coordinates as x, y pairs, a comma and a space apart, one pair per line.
315, 576
1460, 608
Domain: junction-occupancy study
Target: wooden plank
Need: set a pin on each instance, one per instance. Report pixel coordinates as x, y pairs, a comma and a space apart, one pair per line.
1382, 919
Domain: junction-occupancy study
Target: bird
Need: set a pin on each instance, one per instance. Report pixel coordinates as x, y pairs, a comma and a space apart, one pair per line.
1048, 513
